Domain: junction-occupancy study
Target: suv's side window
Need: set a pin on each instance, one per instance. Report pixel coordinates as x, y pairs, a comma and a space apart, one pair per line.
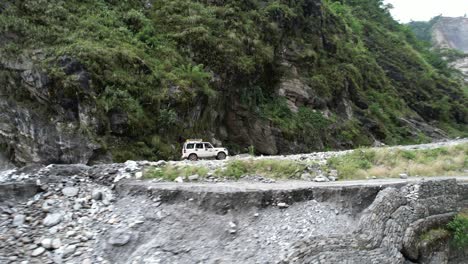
208, 145
199, 146
190, 146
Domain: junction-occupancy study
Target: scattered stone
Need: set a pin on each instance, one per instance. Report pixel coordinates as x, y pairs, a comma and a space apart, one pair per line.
232, 228
70, 191
70, 233
46, 243
18, 220
179, 179
97, 195
38, 251
403, 176
139, 175
56, 243
69, 250
193, 177
52, 219
119, 238
321, 178
283, 205
47, 205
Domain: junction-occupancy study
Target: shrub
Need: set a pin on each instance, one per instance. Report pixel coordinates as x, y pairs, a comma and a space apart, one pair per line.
459, 228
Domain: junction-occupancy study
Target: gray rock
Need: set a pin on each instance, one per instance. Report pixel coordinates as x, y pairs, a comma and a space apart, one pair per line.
46, 243
119, 238
193, 177
47, 205
18, 220
69, 250
38, 251
283, 205
56, 243
403, 176
138, 175
70, 191
321, 178
52, 219
97, 195
179, 179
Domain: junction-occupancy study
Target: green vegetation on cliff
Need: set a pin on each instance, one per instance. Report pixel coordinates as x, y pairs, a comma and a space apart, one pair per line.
176, 68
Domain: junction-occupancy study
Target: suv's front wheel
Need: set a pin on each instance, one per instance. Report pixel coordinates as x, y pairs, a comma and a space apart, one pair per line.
221, 156
193, 157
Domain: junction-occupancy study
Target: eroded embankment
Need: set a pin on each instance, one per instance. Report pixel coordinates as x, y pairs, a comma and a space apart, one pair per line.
72, 218
249, 223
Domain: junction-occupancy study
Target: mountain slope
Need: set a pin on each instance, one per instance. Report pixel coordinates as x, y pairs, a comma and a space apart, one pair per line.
80, 80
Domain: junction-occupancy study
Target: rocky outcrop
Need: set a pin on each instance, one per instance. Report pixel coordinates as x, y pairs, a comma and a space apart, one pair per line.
40, 123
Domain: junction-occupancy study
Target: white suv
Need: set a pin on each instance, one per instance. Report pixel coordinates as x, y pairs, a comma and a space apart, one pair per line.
195, 149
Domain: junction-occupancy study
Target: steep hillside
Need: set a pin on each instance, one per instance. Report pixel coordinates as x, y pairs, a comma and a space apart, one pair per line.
89, 81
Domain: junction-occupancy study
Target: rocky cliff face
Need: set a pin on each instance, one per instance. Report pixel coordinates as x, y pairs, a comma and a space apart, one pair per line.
44, 126
131, 80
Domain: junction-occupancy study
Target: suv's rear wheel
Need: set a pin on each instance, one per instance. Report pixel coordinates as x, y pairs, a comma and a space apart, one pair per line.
221, 156
193, 157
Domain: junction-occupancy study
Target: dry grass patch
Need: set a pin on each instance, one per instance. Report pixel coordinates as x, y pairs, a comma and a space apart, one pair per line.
388, 163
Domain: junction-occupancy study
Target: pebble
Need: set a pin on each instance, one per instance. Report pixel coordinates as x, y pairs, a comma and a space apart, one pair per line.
179, 179
18, 220
139, 175
70, 191
56, 243
69, 250
119, 238
193, 177
87, 261
52, 219
46, 243
283, 205
38, 251
97, 195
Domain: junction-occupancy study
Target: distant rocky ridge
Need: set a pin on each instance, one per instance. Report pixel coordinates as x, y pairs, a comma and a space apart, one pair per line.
446, 33
451, 32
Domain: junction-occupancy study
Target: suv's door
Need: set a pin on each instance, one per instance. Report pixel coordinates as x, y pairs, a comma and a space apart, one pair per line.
209, 150
200, 150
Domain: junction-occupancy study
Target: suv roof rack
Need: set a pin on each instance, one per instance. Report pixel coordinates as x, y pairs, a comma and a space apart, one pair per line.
194, 140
